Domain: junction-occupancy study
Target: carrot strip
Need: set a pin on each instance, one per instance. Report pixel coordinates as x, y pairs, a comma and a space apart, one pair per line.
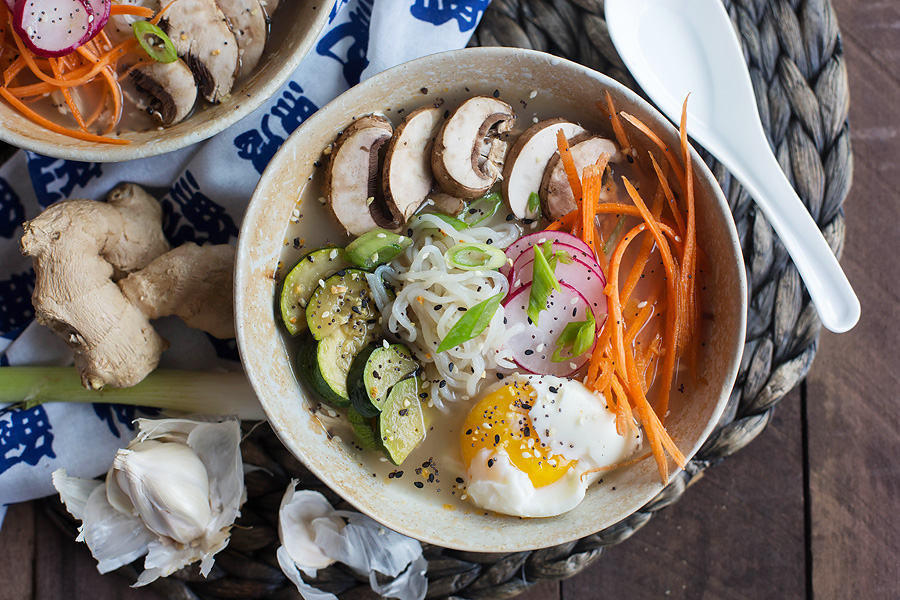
618, 129
14, 68
687, 269
673, 160
116, 90
127, 9
671, 297
155, 20
562, 144
643, 254
624, 415
67, 94
670, 197
81, 135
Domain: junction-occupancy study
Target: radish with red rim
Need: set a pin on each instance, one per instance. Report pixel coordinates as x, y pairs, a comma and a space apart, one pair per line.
512, 273
52, 28
581, 276
533, 347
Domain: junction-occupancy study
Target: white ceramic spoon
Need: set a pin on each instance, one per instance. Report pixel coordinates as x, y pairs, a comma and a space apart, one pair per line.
676, 47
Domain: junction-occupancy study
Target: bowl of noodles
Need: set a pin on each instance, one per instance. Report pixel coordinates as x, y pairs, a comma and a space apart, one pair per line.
134, 91
516, 323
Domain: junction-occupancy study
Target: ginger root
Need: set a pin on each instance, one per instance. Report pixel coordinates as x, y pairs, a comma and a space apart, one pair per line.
104, 270
77, 247
192, 282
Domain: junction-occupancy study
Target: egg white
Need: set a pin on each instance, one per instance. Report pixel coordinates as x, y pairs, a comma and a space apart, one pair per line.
573, 422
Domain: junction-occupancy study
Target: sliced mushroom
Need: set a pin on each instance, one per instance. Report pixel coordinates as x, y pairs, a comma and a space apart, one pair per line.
407, 177
247, 21
467, 154
351, 177
447, 204
527, 160
170, 85
556, 194
201, 36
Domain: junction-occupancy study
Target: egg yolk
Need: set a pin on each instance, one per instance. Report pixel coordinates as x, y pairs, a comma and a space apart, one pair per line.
500, 421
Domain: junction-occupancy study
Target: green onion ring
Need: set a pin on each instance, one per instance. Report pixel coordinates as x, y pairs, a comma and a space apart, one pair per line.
473, 256
165, 52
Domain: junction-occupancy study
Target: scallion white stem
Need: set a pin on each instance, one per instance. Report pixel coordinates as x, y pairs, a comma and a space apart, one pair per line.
207, 392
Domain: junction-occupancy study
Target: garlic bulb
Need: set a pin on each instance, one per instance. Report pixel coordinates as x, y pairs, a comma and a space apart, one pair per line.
314, 535
172, 495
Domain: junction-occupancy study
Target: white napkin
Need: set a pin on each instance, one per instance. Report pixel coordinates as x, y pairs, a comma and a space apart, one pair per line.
205, 189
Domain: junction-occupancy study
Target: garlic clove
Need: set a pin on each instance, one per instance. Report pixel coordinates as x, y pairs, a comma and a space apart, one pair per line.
73, 491
296, 517
217, 445
114, 539
169, 487
116, 495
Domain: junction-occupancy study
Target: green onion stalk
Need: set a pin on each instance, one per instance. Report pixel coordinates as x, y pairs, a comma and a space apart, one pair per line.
205, 392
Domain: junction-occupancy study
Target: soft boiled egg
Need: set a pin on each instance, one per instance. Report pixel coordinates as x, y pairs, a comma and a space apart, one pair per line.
531, 445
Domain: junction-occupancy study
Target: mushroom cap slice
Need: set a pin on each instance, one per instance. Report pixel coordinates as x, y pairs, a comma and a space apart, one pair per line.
523, 171
352, 173
407, 178
556, 195
172, 87
247, 21
201, 36
466, 157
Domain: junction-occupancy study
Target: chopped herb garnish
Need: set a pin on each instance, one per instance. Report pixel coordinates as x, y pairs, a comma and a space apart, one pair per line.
472, 323
577, 337
543, 282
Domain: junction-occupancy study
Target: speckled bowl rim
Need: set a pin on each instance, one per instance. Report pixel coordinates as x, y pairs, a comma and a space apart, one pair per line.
255, 321
182, 134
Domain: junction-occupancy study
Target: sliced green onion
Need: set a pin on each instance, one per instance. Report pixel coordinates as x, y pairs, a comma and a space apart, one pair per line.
481, 209
577, 336
154, 41
375, 248
457, 224
543, 281
205, 392
553, 258
474, 256
534, 205
612, 236
472, 323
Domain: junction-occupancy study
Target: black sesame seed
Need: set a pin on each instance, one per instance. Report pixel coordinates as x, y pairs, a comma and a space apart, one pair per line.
419, 484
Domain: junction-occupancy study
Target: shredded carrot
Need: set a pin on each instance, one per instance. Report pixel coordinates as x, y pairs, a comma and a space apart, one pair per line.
670, 156
128, 9
621, 136
67, 94
155, 20
562, 144
81, 135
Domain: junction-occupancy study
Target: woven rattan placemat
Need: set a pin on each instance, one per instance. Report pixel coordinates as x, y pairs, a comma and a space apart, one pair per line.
794, 51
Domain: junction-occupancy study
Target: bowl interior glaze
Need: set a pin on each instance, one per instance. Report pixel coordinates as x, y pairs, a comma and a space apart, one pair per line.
569, 90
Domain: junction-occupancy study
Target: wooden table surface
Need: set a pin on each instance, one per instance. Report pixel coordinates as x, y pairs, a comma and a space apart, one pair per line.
804, 511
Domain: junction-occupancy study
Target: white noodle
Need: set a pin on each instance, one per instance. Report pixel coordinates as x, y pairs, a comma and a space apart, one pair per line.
430, 294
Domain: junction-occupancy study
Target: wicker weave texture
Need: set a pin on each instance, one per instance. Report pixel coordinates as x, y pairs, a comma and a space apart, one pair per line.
793, 49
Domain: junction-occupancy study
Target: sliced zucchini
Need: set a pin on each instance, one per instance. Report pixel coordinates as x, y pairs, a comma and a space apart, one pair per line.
401, 425
320, 381
363, 429
302, 280
374, 372
343, 301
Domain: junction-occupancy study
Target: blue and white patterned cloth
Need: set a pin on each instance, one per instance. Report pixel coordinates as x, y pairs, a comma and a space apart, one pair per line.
205, 189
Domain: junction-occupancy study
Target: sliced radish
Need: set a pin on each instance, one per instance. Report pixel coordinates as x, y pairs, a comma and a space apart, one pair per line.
533, 347
574, 253
53, 27
526, 242
582, 277
100, 9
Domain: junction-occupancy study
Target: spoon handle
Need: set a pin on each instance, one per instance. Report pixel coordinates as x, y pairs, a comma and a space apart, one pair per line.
829, 289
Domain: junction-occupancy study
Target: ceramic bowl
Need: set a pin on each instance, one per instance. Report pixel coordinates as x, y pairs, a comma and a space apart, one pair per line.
294, 29
531, 82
